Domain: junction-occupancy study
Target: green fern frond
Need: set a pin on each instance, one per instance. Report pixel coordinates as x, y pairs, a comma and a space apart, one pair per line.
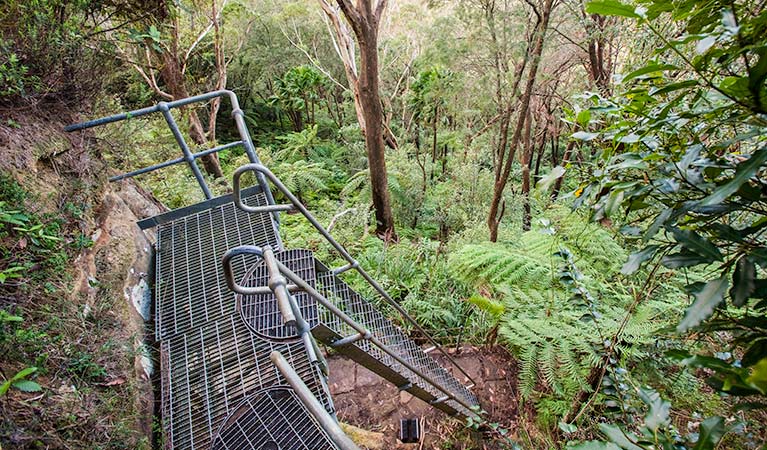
528, 376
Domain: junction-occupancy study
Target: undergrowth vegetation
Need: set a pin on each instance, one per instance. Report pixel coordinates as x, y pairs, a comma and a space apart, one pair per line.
64, 360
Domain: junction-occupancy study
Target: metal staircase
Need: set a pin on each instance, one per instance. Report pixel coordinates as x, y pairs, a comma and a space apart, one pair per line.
242, 369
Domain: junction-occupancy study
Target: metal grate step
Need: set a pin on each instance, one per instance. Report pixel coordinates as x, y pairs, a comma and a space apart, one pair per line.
189, 287
208, 372
274, 419
332, 328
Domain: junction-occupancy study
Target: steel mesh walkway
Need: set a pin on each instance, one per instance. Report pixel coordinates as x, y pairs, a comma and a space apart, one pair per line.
329, 328
366, 313
213, 362
261, 311
189, 283
208, 371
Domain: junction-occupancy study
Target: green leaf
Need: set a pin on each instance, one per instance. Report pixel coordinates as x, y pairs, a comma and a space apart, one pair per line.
683, 259
711, 432
5, 317
708, 298
584, 135
24, 373
154, 33
637, 258
758, 377
27, 386
613, 204
658, 414
672, 87
650, 68
743, 284
620, 438
583, 118
494, 308
548, 180
744, 171
567, 427
657, 223
612, 8
697, 244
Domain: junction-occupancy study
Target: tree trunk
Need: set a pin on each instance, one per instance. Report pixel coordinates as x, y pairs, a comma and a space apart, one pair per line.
599, 65
364, 19
526, 157
538, 159
174, 79
374, 144
434, 142
210, 162
502, 175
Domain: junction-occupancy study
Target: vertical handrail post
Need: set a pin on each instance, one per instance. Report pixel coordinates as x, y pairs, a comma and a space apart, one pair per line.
188, 156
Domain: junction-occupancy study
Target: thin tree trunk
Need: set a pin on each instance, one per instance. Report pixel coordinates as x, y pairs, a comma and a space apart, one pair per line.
496, 211
526, 157
374, 144
538, 159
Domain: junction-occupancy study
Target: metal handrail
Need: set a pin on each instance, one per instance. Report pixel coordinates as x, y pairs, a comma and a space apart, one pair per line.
352, 263
363, 333
188, 157
277, 285
324, 419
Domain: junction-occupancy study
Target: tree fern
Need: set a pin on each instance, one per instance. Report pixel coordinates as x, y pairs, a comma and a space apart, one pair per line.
549, 332
302, 177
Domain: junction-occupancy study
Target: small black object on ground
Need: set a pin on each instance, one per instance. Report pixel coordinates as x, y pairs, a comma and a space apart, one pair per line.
410, 431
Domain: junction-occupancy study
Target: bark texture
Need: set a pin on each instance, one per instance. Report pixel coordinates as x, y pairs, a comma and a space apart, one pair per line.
364, 18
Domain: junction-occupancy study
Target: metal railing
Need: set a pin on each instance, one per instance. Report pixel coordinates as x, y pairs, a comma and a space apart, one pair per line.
188, 157
278, 283
278, 286
295, 204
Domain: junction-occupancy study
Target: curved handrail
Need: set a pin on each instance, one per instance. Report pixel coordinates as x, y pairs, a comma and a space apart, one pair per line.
353, 264
277, 284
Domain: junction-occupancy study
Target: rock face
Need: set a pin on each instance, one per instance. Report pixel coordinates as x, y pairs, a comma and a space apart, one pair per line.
96, 371
120, 261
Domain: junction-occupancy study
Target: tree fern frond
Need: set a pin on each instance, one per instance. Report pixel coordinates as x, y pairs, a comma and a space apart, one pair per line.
528, 376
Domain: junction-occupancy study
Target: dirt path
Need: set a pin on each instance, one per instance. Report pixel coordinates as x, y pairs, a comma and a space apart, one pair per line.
365, 400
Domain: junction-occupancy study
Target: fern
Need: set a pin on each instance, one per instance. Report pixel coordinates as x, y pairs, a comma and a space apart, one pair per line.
541, 323
302, 177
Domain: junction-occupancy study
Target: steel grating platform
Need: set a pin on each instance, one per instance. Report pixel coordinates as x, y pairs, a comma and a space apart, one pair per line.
190, 289
328, 328
208, 371
223, 383
272, 419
